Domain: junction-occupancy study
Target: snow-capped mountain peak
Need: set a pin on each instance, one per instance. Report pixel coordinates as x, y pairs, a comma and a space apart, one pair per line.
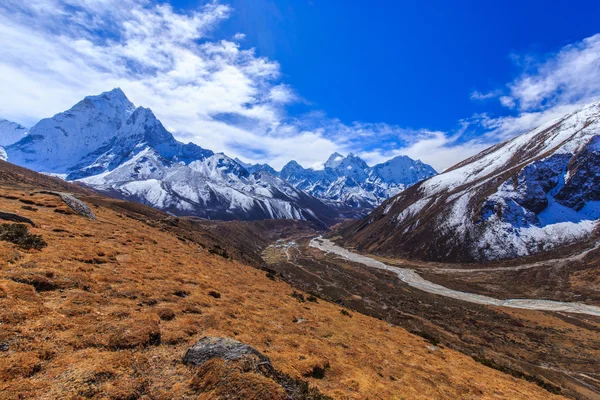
105, 141
56, 144
334, 160
112, 103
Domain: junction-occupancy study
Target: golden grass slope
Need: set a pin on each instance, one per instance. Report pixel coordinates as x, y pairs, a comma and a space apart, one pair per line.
118, 302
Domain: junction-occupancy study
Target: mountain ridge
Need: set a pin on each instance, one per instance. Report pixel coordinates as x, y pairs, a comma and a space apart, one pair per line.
125, 150
532, 193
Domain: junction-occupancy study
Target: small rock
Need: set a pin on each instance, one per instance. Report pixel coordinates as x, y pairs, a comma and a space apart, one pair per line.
4, 346
77, 205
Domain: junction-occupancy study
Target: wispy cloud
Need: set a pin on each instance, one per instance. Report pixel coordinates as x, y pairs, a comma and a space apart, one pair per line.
477, 95
57, 51
570, 76
549, 87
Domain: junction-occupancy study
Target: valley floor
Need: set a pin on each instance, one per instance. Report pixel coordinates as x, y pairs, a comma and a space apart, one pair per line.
415, 280
557, 350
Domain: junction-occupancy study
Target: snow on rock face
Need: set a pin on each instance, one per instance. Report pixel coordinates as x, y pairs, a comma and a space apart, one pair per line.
334, 160
106, 142
10, 132
532, 193
3, 155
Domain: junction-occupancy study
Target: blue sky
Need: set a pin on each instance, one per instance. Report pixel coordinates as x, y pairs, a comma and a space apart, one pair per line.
270, 81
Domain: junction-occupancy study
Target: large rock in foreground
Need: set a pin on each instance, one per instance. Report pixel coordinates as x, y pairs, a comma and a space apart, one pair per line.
229, 369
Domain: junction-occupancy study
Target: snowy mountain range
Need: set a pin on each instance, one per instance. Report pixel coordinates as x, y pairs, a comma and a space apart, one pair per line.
532, 193
349, 184
115, 147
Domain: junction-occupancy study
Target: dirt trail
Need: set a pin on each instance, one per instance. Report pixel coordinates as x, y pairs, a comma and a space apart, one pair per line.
413, 279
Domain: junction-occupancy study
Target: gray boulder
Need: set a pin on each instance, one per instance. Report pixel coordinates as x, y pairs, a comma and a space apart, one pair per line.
74, 204
224, 348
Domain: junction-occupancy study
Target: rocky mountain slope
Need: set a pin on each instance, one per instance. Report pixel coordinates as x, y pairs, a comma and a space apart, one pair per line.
353, 187
533, 193
107, 143
109, 308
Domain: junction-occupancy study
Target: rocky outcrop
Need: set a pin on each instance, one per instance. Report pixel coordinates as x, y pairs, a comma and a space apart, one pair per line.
74, 204
231, 369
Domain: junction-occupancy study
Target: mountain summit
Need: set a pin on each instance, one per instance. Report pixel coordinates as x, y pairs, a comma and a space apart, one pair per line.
532, 193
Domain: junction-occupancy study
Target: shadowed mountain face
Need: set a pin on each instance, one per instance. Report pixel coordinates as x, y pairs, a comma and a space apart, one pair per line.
530, 194
109, 144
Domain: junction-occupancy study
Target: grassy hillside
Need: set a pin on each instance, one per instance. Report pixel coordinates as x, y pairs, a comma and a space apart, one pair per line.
107, 309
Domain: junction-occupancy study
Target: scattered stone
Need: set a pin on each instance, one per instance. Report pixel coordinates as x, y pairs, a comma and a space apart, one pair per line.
298, 296
317, 372
312, 298
214, 294
4, 346
344, 312
77, 205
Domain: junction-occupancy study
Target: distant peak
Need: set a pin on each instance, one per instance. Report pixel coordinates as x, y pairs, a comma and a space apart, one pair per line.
334, 160
243, 164
292, 163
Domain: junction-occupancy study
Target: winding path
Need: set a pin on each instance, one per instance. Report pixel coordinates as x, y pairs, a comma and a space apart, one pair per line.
413, 279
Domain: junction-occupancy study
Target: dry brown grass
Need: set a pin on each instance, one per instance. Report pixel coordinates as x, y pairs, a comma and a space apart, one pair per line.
109, 307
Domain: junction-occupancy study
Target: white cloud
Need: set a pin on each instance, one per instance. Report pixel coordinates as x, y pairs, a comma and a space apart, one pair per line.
437, 149
53, 56
239, 36
507, 101
567, 77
